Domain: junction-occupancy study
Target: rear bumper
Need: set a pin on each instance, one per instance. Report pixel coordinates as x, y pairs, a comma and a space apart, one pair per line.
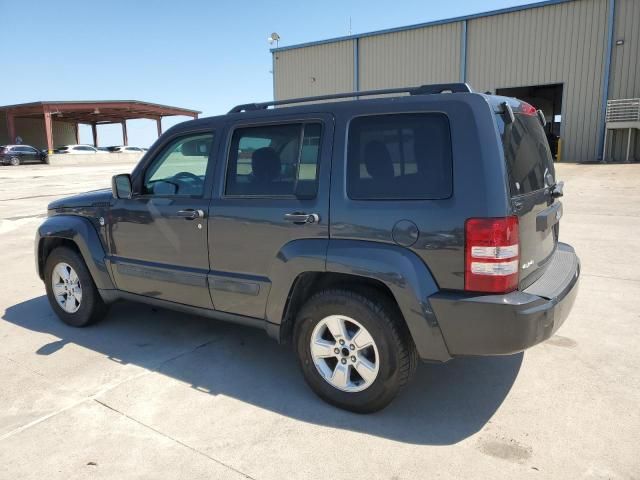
509, 323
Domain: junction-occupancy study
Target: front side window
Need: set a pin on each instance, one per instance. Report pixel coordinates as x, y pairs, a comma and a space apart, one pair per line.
181, 167
403, 156
274, 160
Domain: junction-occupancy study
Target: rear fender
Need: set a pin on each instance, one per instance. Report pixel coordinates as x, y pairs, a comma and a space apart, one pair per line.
408, 279
295, 258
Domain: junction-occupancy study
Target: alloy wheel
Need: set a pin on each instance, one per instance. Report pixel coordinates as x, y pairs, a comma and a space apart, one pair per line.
66, 287
344, 353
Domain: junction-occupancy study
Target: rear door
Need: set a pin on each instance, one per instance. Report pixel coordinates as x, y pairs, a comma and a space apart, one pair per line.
31, 154
531, 174
273, 191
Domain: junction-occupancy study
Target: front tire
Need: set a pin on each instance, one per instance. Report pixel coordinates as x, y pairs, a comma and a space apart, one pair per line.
354, 350
70, 289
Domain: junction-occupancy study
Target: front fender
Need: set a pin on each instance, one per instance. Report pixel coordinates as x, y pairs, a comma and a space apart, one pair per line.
409, 280
80, 231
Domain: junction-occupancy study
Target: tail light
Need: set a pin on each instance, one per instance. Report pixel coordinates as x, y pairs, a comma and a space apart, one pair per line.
527, 109
491, 255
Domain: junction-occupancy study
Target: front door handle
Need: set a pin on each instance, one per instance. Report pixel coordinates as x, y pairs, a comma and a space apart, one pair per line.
190, 214
302, 218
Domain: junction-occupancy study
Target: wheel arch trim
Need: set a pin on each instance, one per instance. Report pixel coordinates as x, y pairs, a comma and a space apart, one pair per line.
83, 234
400, 270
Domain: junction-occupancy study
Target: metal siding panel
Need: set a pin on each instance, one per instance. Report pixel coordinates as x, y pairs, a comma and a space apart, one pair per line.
4, 135
317, 70
625, 70
561, 43
32, 132
412, 57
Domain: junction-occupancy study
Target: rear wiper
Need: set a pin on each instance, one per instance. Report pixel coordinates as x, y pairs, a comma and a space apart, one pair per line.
556, 190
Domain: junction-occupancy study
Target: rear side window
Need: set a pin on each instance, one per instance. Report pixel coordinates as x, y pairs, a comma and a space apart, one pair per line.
399, 157
274, 160
526, 153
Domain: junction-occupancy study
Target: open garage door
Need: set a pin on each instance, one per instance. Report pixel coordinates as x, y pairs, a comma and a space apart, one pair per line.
547, 98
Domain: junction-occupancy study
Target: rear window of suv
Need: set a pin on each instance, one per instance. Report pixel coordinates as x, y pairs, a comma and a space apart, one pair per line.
404, 156
526, 153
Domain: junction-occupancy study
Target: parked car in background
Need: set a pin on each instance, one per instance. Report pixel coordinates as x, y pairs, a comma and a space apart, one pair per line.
125, 149
17, 154
76, 149
103, 149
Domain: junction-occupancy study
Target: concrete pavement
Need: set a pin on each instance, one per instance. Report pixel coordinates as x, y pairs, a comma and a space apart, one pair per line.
156, 394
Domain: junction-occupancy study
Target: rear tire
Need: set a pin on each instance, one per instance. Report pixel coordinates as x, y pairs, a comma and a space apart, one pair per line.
70, 289
14, 161
329, 333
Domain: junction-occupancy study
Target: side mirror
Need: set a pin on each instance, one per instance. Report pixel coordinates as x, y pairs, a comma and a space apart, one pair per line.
121, 186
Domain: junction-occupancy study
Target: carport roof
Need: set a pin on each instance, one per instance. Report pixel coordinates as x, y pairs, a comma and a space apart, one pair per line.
96, 111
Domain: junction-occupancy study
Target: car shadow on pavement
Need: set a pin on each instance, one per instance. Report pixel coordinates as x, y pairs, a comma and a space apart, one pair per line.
444, 404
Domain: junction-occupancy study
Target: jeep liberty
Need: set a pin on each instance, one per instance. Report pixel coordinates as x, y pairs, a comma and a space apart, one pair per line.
368, 233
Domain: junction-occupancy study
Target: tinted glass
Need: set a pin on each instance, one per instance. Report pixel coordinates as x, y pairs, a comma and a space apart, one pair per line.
181, 168
274, 160
403, 156
527, 154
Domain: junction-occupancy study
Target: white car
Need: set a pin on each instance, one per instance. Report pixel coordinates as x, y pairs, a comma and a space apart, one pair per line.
76, 149
125, 149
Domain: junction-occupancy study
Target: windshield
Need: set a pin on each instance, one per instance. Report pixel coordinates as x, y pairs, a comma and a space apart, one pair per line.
527, 154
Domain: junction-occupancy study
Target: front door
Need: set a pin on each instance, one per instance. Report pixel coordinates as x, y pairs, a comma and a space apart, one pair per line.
273, 199
158, 238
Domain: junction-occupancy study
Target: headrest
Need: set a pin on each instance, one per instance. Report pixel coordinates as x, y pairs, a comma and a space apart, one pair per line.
198, 147
378, 160
265, 164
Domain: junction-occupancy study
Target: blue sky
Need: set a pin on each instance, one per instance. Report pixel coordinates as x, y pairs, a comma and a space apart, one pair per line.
204, 55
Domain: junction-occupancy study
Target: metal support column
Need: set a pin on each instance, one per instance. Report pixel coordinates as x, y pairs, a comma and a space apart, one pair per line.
463, 53
11, 127
48, 130
125, 139
605, 77
94, 132
356, 65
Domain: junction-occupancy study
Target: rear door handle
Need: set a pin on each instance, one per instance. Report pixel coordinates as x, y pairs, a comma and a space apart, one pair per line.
302, 218
190, 214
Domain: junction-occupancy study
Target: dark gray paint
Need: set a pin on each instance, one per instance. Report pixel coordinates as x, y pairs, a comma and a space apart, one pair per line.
242, 264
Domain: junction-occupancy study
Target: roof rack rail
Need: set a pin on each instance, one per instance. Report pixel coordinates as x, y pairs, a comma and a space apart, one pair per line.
421, 90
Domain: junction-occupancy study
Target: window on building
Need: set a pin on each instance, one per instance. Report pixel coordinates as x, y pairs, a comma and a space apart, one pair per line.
274, 160
402, 156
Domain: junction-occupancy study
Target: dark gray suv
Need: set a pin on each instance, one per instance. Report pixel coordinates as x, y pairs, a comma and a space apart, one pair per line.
367, 233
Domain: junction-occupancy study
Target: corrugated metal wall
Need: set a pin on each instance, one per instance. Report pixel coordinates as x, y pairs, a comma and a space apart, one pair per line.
32, 132
625, 68
562, 43
556, 43
316, 70
411, 57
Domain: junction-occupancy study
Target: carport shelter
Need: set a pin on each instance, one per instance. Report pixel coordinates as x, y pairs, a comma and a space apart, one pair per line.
37, 123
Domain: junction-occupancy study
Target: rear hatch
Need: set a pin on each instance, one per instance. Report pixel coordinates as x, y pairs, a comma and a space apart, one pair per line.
532, 182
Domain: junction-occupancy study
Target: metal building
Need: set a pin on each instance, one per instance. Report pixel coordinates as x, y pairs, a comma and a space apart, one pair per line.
567, 57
